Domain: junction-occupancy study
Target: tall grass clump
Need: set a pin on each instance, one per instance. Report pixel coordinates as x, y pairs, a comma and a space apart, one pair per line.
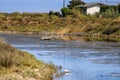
7, 55
6, 59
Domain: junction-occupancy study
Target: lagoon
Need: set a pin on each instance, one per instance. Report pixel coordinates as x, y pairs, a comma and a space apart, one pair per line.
85, 59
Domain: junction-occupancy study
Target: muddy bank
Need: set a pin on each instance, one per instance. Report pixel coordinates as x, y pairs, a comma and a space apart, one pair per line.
66, 36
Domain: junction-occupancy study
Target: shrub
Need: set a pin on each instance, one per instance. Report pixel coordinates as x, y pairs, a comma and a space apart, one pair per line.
4, 27
7, 59
51, 13
76, 13
66, 11
15, 14
54, 13
110, 11
57, 14
7, 55
111, 29
104, 8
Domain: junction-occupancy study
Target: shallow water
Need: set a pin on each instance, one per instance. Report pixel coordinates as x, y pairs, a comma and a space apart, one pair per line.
86, 60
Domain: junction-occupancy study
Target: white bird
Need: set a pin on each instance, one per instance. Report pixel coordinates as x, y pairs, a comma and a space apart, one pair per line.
66, 71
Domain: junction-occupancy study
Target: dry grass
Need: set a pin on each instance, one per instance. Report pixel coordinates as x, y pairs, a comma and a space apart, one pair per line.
76, 23
18, 65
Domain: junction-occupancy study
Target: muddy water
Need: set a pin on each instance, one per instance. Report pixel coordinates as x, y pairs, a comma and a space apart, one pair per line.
86, 60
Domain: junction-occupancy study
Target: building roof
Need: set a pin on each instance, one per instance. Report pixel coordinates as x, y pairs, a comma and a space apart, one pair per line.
90, 4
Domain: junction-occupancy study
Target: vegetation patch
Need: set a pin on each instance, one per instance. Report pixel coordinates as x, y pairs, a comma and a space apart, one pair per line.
107, 22
19, 65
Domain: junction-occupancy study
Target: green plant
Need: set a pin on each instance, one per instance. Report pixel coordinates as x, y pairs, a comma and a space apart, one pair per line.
110, 13
75, 3
15, 14
54, 13
51, 13
57, 14
66, 11
104, 8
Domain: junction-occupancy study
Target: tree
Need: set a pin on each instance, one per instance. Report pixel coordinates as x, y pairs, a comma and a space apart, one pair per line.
119, 7
75, 3
104, 8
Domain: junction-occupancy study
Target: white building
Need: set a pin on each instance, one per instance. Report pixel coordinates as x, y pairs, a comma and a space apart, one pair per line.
91, 8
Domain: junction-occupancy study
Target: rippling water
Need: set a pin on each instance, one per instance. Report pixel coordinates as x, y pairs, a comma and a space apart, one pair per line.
86, 60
